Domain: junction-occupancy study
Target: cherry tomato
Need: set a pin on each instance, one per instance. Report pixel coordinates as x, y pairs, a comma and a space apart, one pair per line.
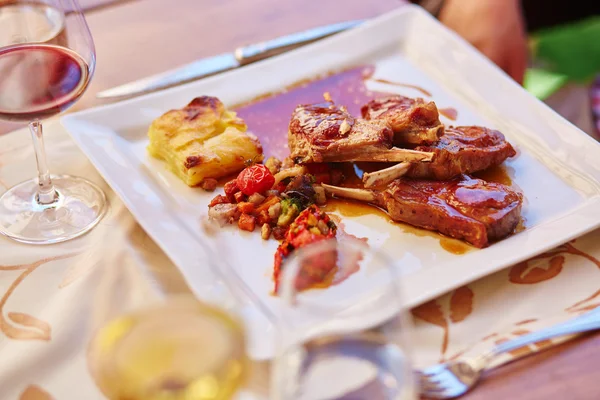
255, 179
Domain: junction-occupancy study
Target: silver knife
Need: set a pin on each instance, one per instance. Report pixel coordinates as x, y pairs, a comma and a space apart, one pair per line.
224, 62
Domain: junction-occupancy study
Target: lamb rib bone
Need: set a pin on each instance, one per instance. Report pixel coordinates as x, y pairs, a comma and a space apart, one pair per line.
395, 155
351, 193
462, 150
385, 176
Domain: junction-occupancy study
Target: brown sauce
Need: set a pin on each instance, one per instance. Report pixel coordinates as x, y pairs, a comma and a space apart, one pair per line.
351, 208
449, 112
497, 174
406, 85
268, 116
454, 246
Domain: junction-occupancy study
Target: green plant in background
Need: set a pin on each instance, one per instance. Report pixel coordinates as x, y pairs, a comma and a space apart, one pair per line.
569, 53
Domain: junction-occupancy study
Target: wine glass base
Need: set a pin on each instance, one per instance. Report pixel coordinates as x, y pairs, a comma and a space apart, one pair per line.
79, 206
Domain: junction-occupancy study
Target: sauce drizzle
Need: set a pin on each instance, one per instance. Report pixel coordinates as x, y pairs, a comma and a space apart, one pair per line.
424, 92
454, 246
449, 112
497, 174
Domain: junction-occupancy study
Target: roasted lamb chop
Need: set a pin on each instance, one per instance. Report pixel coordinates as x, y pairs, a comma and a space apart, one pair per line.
327, 133
462, 150
413, 121
466, 208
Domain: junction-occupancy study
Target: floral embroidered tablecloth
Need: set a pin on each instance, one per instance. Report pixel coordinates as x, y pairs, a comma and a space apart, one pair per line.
53, 298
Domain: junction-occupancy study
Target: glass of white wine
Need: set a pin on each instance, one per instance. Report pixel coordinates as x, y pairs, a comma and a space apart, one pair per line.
179, 349
348, 341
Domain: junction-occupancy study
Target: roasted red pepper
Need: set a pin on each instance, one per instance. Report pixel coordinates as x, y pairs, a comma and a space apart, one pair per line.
311, 225
231, 188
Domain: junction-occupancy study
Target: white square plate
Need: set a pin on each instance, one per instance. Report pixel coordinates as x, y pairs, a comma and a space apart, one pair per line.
558, 166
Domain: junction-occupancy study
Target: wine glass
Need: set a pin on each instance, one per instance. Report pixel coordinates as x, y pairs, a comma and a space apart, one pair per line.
181, 348
47, 59
347, 341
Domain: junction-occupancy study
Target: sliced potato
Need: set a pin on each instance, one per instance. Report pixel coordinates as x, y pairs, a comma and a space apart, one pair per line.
203, 140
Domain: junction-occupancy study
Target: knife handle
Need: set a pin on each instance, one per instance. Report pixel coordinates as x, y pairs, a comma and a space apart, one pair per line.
260, 51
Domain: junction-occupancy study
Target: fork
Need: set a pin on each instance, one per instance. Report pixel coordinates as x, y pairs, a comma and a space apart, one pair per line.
455, 378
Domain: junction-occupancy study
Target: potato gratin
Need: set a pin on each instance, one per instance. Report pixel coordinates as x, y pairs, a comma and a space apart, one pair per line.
203, 141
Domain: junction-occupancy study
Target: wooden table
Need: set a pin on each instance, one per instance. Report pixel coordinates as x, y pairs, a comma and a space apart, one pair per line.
141, 37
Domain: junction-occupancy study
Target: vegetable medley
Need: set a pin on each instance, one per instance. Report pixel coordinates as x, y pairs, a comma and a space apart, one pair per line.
281, 199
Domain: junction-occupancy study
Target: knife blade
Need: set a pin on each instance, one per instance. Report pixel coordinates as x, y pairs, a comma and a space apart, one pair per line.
223, 62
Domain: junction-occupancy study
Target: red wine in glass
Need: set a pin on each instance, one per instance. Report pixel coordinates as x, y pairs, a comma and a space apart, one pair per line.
47, 59
39, 80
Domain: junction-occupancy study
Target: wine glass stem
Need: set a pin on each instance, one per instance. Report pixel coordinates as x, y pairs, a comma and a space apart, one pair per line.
46, 194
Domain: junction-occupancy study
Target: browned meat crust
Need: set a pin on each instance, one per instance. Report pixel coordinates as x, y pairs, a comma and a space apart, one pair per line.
464, 208
463, 150
413, 121
327, 133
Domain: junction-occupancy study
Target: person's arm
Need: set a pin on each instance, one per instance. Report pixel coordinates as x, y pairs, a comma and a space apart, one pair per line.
495, 27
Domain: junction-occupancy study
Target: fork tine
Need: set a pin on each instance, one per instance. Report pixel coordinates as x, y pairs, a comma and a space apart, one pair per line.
439, 392
442, 389
433, 386
431, 379
435, 392
448, 381
438, 385
434, 378
435, 370
429, 385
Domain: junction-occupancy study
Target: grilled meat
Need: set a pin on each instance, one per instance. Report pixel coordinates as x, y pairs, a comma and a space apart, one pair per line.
463, 150
466, 208
413, 121
327, 133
